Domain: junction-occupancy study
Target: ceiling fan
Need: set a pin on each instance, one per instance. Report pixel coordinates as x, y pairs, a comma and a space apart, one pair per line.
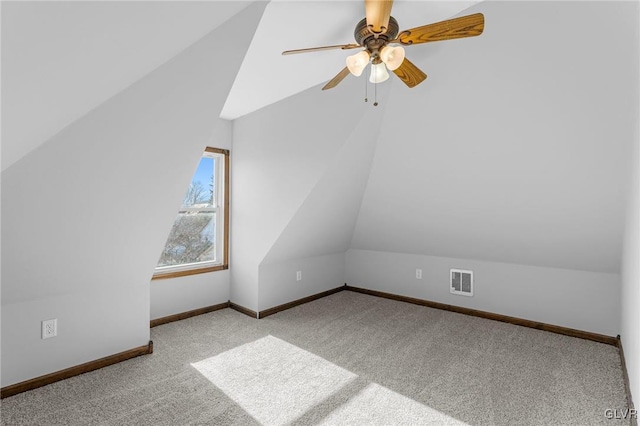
379, 36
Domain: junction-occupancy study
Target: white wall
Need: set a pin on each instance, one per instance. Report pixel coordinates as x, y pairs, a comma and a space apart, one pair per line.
278, 283
176, 295
281, 155
581, 300
630, 314
87, 213
508, 154
325, 220
320, 231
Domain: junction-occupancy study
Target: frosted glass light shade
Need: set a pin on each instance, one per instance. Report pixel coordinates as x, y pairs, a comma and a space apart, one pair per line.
356, 63
378, 73
392, 56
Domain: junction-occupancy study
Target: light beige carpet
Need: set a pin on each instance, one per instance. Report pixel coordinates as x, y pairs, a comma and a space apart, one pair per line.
344, 359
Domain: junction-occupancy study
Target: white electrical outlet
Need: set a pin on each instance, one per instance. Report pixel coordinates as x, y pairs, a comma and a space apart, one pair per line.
298, 275
418, 274
49, 328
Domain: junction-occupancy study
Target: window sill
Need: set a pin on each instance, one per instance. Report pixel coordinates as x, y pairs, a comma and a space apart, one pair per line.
185, 272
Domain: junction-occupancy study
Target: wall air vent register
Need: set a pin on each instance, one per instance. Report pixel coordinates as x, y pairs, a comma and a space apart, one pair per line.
461, 282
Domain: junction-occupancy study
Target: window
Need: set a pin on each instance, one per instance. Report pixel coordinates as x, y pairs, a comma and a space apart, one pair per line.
199, 239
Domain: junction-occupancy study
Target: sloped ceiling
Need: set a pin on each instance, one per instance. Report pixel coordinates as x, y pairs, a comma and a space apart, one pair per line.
514, 149
324, 222
266, 76
62, 59
138, 150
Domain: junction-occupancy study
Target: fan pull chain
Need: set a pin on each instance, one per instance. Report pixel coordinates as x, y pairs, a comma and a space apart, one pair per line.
366, 87
375, 95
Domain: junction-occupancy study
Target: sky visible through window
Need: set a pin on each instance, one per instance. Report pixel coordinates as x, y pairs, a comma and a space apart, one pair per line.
204, 172
201, 189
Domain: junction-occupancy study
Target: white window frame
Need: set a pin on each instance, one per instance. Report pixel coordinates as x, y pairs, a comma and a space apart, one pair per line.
220, 208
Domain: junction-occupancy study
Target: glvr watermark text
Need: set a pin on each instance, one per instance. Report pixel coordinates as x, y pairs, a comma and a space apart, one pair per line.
621, 413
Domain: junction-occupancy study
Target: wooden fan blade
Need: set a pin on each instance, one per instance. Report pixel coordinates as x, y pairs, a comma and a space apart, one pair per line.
464, 26
378, 13
409, 73
315, 49
337, 79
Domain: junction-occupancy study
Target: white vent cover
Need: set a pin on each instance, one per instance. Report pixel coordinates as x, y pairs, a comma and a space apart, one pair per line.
461, 282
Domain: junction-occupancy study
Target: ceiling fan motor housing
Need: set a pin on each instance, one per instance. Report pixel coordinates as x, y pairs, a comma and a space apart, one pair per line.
374, 42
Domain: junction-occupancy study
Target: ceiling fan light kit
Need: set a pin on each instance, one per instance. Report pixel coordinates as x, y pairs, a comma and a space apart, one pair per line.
379, 35
392, 56
358, 62
378, 73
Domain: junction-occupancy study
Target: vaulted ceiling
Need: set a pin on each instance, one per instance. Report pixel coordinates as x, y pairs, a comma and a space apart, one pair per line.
266, 76
60, 60
514, 149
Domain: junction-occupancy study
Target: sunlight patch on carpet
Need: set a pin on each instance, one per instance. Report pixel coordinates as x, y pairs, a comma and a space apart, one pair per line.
377, 405
272, 380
